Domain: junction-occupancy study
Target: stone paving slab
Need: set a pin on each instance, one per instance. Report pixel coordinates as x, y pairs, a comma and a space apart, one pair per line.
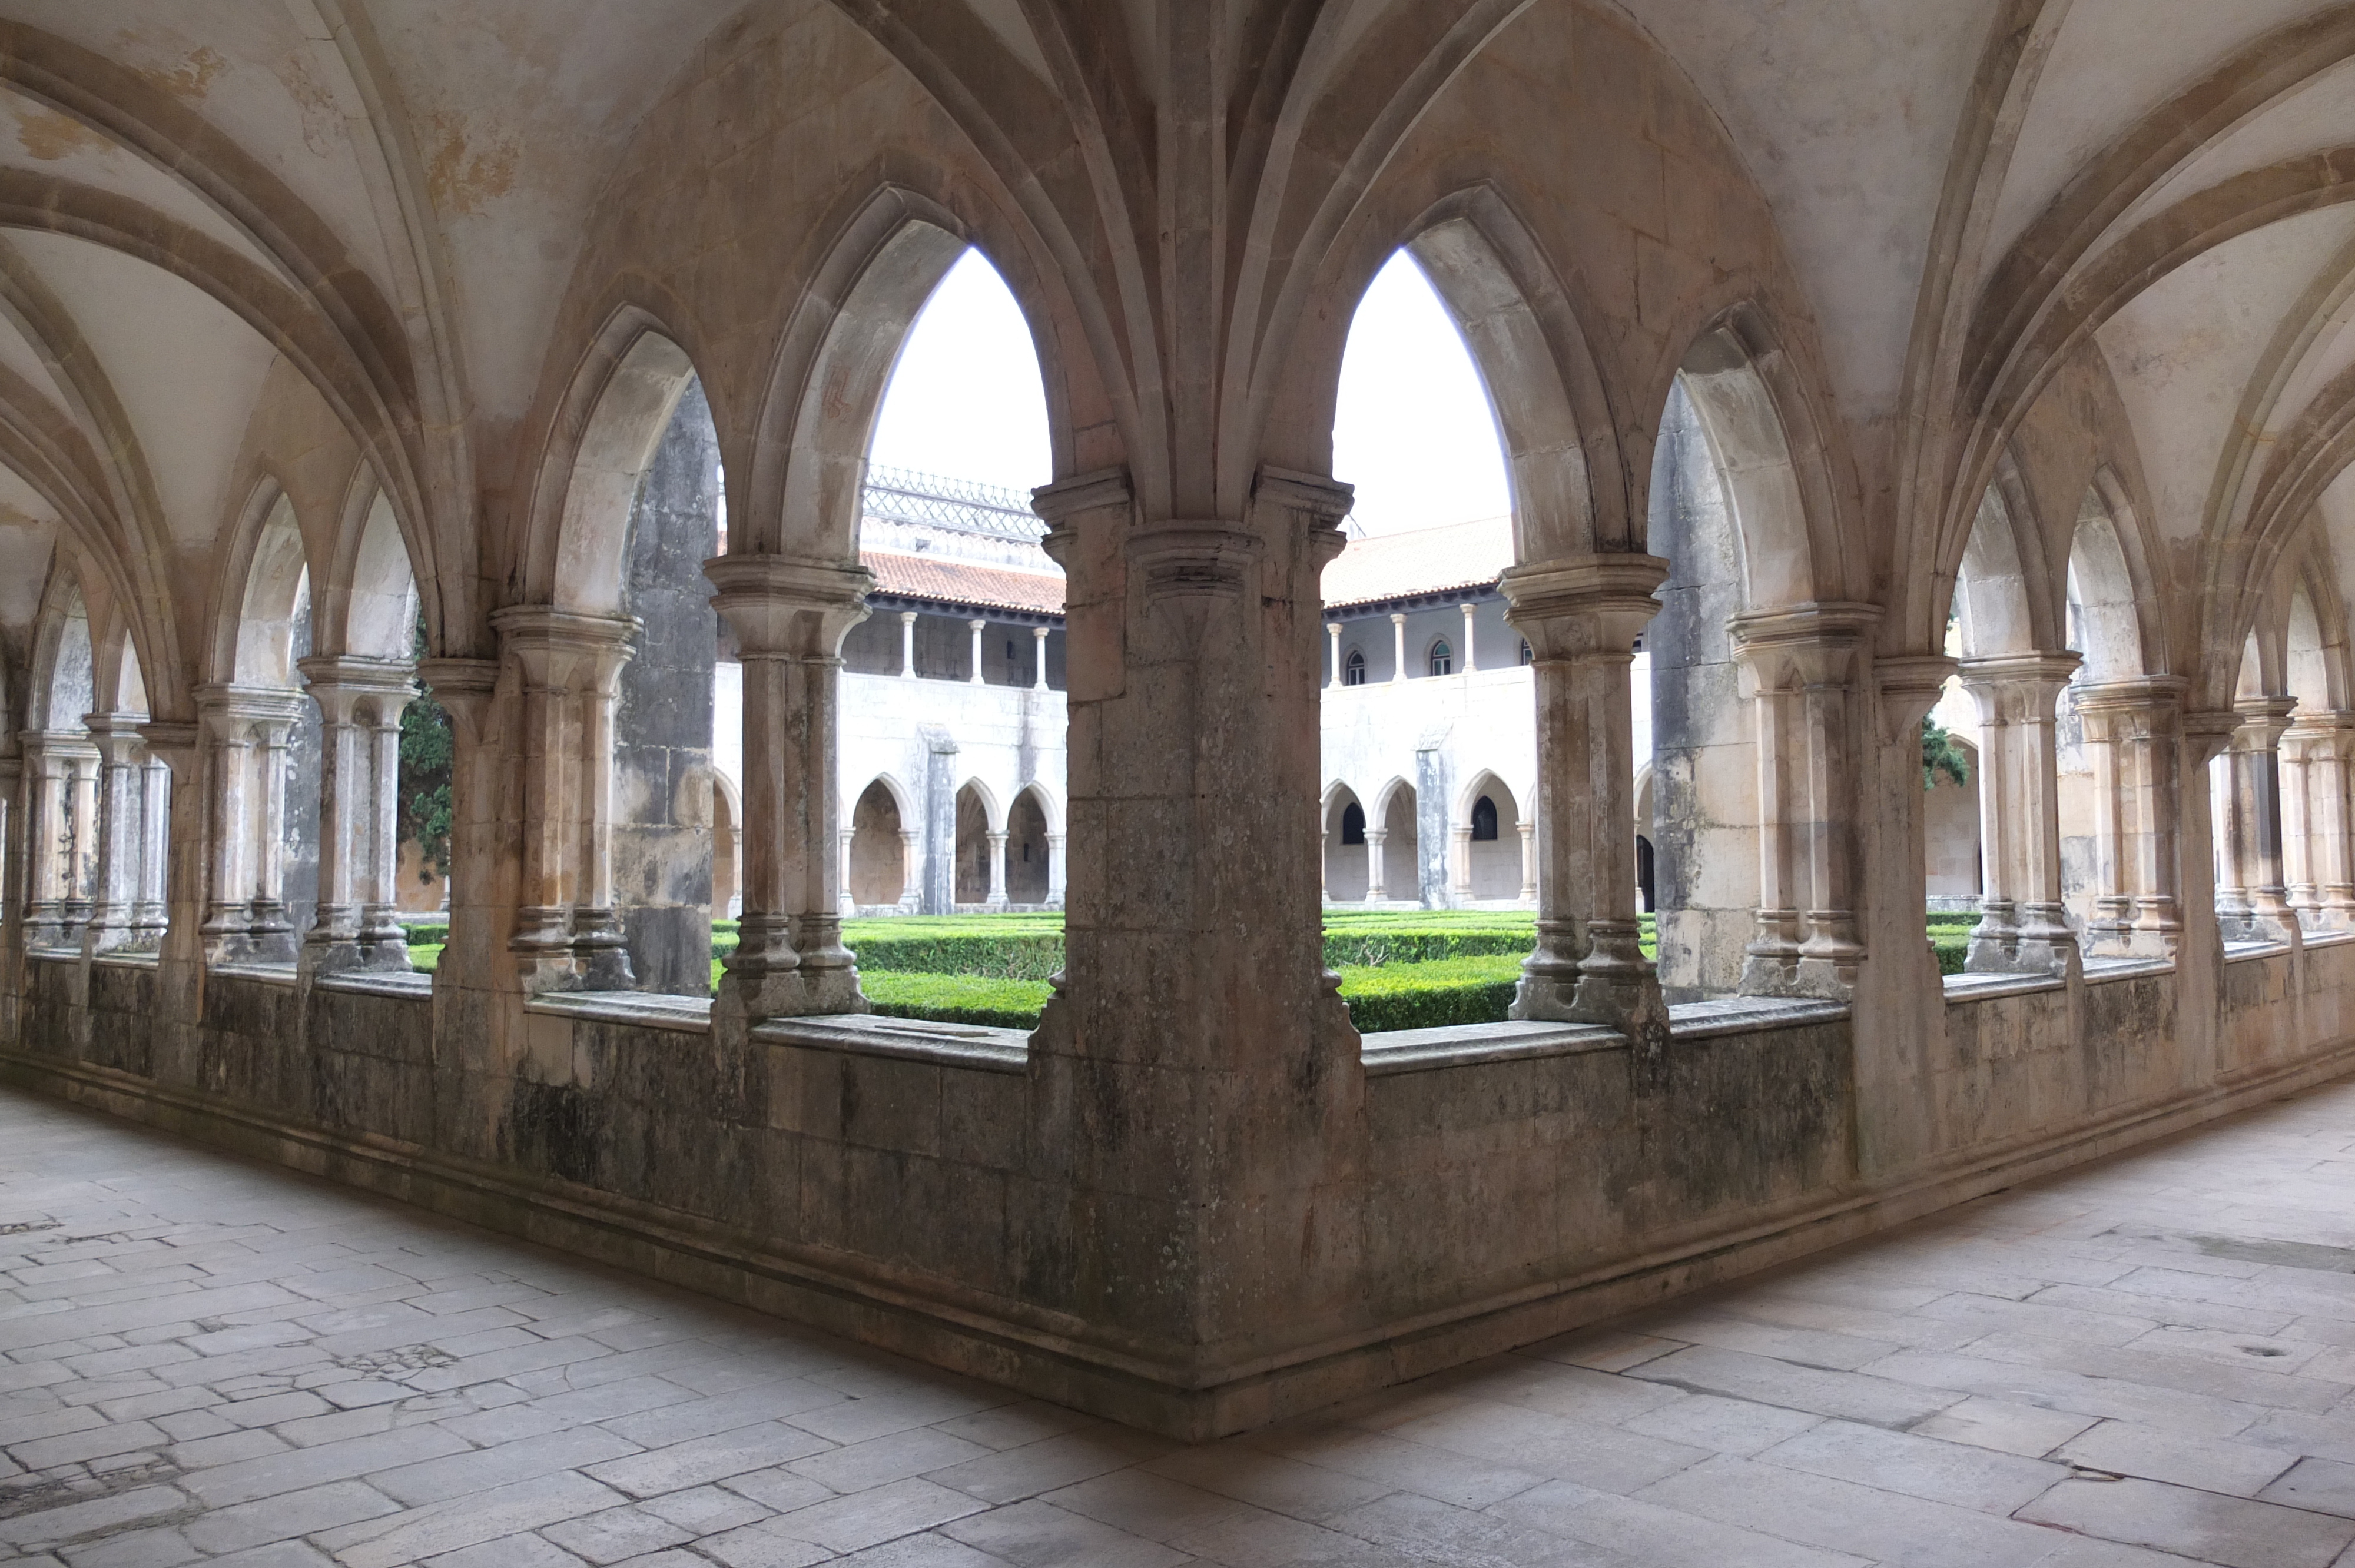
206, 1361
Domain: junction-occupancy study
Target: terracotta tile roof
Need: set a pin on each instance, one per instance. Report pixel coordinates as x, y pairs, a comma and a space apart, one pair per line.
1446, 559
946, 580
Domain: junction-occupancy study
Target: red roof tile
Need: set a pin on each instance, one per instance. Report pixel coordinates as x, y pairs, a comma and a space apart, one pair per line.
1446, 559
948, 580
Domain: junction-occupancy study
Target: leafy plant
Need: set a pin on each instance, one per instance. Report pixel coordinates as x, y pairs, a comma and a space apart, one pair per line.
426, 755
1941, 752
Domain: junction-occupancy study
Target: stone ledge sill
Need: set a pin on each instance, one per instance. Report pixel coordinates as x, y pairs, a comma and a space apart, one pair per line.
1749, 1016
417, 983
127, 961
269, 974
2098, 971
55, 954
910, 1039
2329, 938
648, 1010
2240, 952
1466, 1044
1984, 987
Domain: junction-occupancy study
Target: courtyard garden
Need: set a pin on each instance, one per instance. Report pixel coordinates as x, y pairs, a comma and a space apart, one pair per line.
1400, 970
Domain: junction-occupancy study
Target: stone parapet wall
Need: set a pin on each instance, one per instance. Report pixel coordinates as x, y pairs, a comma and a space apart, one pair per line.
896, 1180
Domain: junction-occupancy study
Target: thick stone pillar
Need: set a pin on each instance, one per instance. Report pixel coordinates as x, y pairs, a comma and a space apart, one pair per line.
2254, 832
184, 751
360, 701
1581, 616
115, 895
789, 617
2133, 735
1803, 670
1375, 839
1460, 871
485, 886
1055, 875
1528, 831
1198, 1112
2023, 927
569, 666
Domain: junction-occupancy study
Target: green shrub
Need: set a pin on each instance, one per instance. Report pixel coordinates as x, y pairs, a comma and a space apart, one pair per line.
426, 956
957, 998
1951, 946
436, 934
1476, 990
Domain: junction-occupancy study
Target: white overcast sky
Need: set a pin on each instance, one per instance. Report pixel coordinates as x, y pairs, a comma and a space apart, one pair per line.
1412, 430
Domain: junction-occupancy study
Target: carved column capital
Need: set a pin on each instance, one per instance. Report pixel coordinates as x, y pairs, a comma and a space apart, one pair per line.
1803, 645
788, 606
2018, 688
1576, 607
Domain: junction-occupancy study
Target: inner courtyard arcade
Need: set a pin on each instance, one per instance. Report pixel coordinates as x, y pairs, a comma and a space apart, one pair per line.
1854, 363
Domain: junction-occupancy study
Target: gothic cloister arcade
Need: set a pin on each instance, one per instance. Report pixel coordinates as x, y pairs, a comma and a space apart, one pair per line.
355, 353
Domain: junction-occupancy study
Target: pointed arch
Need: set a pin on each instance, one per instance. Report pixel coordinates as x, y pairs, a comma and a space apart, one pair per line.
368, 601
617, 405
265, 576
60, 687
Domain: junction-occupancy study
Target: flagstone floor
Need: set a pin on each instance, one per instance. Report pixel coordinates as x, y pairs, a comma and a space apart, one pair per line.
204, 1360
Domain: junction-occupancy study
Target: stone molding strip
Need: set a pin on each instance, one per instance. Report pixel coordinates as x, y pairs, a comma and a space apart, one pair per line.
908, 1038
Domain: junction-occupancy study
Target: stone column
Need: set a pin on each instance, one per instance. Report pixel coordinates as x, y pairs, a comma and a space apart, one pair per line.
483, 699
2133, 735
1039, 647
912, 870
2023, 927
384, 941
81, 799
842, 875
1582, 615
1333, 636
227, 775
1469, 663
2254, 831
115, 897
360, 701
1398, 646
151, 915
996, 872
1055, 871
1461, 835
48, 832
1802, 669
1528, 831
2299, 881
2327, 741
274, 939
978, 626
183, 749
1375, 839
569, 668
907, 644
790, 617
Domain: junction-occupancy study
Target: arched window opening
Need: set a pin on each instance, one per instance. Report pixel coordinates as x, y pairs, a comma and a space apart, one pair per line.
1415, 432
1528, 657
1027, 852
1497, 863
878, 852
1484, 821
1350, 861
667, 779
2318, 859
954, 682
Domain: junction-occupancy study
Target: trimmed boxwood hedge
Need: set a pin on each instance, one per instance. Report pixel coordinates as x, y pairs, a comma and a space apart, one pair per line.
1475, 989
957, 998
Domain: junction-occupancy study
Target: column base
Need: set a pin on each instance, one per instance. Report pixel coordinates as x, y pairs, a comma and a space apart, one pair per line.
1618, 988
1548, 989
768, 977
541, 950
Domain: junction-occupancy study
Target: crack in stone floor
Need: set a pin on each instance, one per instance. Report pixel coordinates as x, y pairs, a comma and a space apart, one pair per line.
205, 1360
